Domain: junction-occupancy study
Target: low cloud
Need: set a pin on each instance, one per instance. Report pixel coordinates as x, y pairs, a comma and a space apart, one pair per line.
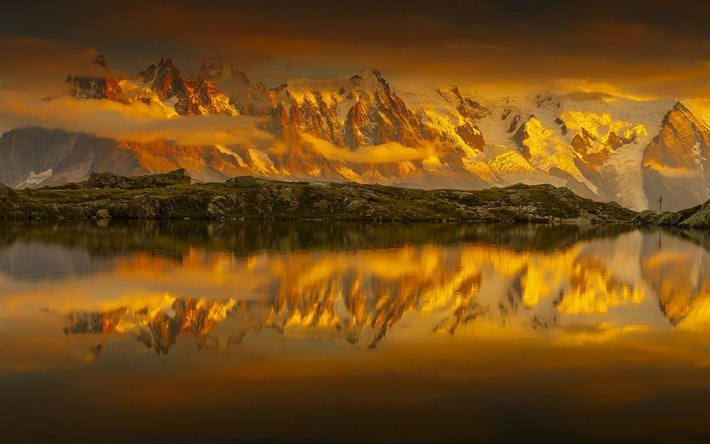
383, 153
31, 69
40, 66
137, 122
583, 89
588, 96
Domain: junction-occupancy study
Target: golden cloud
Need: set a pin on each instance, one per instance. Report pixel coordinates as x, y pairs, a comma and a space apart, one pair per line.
136, 122
383, 153
700, 107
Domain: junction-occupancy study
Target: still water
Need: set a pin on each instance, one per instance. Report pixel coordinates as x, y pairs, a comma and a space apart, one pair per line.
196, 332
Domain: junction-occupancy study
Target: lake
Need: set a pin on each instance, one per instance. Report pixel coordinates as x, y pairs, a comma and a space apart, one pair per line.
286, 332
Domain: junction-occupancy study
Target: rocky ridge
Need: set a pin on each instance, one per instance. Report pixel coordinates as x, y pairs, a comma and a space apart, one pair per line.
695, 217
171, 196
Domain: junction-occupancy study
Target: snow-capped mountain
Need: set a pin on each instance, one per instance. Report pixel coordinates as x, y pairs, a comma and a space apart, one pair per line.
361, 128
676, 162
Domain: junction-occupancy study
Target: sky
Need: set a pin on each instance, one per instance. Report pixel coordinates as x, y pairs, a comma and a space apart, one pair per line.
649, 49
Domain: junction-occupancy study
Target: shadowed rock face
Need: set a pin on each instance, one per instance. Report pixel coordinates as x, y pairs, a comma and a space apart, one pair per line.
72, 157
676, 164
100, 86
165, 79
68, 157
95, 88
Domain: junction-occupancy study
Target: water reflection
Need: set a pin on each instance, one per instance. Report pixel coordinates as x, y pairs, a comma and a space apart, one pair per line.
353, 333
342, 285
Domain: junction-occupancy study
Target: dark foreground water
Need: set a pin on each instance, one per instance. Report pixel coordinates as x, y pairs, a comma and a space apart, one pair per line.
194, 332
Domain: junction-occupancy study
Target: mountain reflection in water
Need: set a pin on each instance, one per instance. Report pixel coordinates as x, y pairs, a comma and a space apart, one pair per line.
278, 299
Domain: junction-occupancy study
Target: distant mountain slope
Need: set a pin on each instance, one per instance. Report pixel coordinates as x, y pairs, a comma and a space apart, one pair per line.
58, 157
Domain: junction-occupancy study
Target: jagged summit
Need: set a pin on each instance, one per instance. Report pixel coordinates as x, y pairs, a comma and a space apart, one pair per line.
96, 83
192, 96
680, 111
164, 78
676, 163
371, 80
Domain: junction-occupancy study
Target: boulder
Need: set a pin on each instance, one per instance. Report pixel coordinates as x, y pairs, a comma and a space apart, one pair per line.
107, 180
174, 177
700, 219
110, 180
646, 217
246, 182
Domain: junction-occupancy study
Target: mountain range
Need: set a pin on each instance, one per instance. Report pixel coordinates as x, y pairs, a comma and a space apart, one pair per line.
362, 129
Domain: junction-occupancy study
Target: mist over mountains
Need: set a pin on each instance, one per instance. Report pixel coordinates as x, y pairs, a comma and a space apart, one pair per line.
363, 129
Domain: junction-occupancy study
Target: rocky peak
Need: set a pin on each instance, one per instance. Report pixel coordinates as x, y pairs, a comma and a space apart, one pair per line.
680, 134
212, 71
547, 100
676, 163
95, 88
168, 81
195, 95
521, 135
100, 85
469, 111
679, 114
371, 80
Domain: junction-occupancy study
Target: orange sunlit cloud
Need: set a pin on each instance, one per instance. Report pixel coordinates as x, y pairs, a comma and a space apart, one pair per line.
649, 48
136, 122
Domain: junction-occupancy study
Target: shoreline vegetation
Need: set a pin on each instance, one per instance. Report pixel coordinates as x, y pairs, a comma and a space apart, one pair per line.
173, 196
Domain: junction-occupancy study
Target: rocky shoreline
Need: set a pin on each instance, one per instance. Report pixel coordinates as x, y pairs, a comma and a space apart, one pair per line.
173, 196
695, 217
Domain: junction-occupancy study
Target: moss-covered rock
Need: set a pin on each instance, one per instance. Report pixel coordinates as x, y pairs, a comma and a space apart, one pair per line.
110, 180
695, 217
700, 218
172, 196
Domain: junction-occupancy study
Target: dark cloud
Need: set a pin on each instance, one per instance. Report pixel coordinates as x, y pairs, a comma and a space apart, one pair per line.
136, 122
661, 47
386, 22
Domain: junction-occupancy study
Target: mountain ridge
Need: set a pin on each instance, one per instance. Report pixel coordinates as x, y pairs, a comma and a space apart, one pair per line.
362, 129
